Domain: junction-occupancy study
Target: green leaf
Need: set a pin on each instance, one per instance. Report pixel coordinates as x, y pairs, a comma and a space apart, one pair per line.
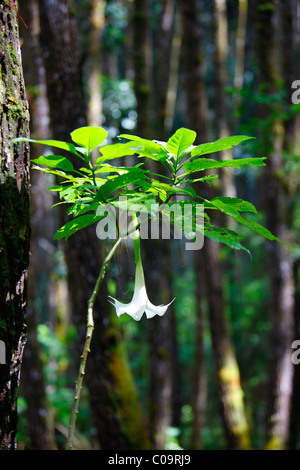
89, 137
232, 212
136, 138
201, 164
51, 143
76, 224
116, 151
136, 176
55, 172
236, 203
218, 145
55, 161
225, 236
147, 148
139, 199
57, 188
181, 141
106, 168
204, 179
168, 189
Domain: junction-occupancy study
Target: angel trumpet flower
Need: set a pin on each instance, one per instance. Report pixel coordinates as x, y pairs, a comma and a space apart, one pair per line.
140, 302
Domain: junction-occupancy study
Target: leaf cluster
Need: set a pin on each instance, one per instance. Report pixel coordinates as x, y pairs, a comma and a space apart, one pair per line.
184, 166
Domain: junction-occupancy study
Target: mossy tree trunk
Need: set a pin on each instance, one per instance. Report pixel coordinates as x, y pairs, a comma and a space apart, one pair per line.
14, 220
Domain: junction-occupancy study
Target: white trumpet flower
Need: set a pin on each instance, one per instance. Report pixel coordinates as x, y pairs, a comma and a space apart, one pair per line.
140, 302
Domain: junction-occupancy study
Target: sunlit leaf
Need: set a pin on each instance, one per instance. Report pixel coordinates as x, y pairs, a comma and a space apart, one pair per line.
89, 137
201, 164
218, 145
112, 151
181, 141
51, 143
55, 161
147, 148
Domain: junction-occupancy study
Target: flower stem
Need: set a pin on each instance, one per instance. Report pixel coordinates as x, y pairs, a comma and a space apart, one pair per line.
137, 246
88, 339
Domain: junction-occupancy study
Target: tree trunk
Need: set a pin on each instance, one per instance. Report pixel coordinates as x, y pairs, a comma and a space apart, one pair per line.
163, 388
141, 82
163, 46
240, 51
97, 10
14, 220
227, 370
163, 374
295, 406
113, 397
279, 260
221, 81
196, 107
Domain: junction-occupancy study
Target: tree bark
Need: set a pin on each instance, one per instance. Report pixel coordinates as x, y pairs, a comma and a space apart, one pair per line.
221, 81
164, 35
226, 367
14, 220
97, 10
279, 260
141, 82
196, 109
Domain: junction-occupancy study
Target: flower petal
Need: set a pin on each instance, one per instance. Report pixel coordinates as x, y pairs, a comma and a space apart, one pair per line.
152, 310
134, 309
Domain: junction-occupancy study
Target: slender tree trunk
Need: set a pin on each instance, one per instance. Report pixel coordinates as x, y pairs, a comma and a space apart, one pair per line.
279, 260
295, 406
199, 399
290, 69
163, 381
97, 8
113, 397
164, 35
14, 220
196, 108
141, 81
221, 81
240, 50
227, 370
161, 335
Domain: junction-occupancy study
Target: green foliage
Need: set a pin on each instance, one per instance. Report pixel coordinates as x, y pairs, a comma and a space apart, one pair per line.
100, 183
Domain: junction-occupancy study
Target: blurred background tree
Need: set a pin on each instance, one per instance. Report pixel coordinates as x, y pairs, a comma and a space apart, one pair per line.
216, 371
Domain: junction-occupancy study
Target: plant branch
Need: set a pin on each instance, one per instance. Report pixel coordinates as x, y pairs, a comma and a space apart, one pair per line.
88, 339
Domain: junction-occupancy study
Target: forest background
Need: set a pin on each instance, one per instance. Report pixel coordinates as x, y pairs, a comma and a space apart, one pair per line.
216, 371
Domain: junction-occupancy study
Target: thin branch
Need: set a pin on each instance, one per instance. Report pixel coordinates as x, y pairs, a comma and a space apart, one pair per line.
88, 339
